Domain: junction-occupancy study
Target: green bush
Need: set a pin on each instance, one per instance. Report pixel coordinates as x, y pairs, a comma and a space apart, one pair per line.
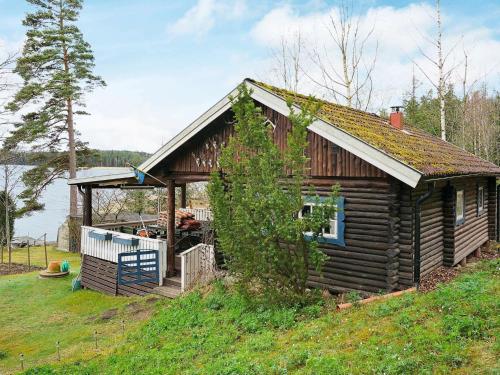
258, 194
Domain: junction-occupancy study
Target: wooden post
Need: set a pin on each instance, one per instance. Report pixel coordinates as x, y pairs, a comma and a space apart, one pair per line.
45, 249
29, 257
183, 195
171, 227
87, 206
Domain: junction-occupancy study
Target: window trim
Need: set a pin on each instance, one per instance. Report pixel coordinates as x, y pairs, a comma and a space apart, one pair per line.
334, 235
340, 216
460, 220
480, 192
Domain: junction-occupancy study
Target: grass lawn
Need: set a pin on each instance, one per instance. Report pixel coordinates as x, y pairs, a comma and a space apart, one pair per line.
454, 329
37, 256
36, 313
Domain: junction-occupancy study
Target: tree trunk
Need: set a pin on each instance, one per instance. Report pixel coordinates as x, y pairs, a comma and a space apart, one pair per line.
73, 192
7, 218
441, 83
73, 198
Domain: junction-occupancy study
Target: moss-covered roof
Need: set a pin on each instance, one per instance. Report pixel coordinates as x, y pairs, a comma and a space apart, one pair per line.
412, 146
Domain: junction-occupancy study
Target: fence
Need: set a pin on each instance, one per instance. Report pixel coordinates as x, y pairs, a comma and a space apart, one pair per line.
106, 244
197, 265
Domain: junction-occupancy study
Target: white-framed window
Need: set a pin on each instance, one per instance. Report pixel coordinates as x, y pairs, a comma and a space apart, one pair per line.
460, 207
328, 232
480, 199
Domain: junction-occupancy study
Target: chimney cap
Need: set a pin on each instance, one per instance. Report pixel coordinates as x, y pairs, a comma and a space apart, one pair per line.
396, 108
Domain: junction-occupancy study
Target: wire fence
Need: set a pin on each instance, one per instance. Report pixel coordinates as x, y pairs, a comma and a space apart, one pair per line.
96, 341
31, 252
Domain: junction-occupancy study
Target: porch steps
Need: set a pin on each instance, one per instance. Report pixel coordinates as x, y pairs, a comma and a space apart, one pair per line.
171, 287
174, 281
167, 291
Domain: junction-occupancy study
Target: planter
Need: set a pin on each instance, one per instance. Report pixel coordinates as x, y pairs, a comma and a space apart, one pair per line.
101, 236
126, 241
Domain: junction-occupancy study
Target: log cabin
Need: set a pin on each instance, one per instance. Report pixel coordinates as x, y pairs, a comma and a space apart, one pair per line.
410, 202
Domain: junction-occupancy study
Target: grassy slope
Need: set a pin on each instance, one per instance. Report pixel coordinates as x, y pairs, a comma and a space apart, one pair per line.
35, 313
453, 329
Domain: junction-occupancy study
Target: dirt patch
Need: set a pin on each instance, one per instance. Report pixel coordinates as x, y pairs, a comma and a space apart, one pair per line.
108, 314
16, 268
139, 311
446, 274
439, 275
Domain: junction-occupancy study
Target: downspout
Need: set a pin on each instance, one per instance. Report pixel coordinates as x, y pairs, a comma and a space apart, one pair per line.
498, 213
418, 215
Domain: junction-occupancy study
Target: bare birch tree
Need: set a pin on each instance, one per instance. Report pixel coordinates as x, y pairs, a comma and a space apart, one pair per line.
346, 72
288, 61
443, 69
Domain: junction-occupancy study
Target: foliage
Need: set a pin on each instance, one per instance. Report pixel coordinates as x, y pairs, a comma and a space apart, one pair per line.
93, 158
56, 68
256, 203
137, 201
12, 213
411, 334
472, 121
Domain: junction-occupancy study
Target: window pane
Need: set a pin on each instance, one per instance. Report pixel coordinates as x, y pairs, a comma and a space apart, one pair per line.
306, 210
460, 205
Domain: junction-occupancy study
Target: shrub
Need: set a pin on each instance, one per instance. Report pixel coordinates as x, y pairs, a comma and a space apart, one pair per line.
256, 197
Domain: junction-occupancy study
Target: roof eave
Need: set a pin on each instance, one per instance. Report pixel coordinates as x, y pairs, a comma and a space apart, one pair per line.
101, 179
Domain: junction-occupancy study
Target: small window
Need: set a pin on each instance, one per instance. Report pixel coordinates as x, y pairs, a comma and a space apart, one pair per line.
480, 199
329, 232
334, 233
460, 208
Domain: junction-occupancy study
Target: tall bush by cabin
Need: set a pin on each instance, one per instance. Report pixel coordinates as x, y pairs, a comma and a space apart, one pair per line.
256, 197
56, 67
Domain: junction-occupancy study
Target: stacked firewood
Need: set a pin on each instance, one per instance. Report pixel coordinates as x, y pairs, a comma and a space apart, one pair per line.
183, 220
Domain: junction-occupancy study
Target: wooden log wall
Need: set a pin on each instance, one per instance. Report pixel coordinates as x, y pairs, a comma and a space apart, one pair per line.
406, 229
492, 208
368, 262
474, 232
200, 155
431, 229
101, 275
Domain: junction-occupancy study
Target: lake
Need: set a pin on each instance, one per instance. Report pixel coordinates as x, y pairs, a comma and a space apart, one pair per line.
56, 200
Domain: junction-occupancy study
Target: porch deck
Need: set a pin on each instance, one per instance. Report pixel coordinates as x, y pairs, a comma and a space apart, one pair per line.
121, 263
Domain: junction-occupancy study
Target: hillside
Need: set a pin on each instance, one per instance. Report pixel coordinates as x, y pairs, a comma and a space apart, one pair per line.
94, 158
453, 329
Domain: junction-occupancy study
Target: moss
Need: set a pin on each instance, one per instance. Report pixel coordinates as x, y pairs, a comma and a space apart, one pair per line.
424, 152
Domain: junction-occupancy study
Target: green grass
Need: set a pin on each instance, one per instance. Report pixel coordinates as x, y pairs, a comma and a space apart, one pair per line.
454, 329
36, 313
37, 256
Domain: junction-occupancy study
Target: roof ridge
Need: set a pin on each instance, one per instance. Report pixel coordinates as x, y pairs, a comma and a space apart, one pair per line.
294, 93
414, 147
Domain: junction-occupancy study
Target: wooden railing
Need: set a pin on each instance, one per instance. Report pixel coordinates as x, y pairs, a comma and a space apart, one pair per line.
130, 224
197, 265
108, 249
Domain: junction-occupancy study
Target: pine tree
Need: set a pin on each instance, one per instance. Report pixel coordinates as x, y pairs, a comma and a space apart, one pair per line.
56, 66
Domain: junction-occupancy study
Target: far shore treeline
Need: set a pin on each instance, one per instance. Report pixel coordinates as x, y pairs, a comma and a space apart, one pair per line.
93, 158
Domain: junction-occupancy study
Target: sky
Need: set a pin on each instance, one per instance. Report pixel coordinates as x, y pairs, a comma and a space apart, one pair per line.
166, 62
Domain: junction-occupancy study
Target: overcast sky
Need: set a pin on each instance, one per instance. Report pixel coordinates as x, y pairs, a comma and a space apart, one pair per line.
166, 62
